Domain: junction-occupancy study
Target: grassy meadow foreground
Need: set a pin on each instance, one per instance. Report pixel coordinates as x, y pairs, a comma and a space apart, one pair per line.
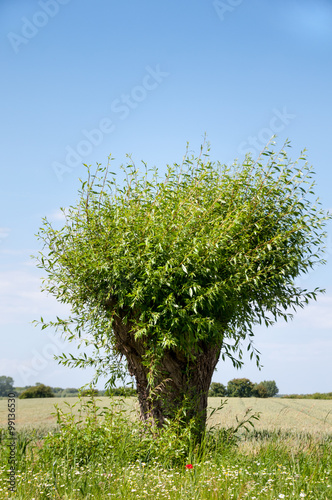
286, 455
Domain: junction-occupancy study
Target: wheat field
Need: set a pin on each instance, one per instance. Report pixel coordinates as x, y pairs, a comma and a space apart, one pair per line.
298, 415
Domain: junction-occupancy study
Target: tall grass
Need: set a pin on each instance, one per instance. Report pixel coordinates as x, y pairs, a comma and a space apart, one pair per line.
104, 454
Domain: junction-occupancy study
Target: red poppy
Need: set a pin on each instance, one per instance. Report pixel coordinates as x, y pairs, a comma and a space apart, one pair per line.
189, 466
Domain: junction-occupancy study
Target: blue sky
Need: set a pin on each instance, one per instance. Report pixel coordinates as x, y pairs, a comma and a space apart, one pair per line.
84, 79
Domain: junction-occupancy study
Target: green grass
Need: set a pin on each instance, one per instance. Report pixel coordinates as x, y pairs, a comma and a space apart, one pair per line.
115, 457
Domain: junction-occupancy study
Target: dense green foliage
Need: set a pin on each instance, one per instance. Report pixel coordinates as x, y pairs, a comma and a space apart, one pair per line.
259, 391
106, 432
58, 392
243, 387
122, 391
240, 388
37, 391
217, 390
183, 266
6, 385
270, 387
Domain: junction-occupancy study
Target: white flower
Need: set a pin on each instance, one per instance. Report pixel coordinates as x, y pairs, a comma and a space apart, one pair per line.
281, 496
302, 495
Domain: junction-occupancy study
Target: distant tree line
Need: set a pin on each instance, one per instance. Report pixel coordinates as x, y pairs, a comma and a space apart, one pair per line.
40, 390
315, 395
244, 388
57, 392
237, 387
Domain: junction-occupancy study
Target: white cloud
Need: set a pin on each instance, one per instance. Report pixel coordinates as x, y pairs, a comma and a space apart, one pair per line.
21, 299
317, 315
4, 232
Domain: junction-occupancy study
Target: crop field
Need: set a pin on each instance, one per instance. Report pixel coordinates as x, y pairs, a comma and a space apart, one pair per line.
38, 412
287, 455
298, 415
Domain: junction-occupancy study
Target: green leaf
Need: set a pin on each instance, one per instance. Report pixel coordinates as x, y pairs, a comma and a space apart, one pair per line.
246, 233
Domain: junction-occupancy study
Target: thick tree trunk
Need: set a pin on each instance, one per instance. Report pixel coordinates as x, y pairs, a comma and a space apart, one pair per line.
180, 382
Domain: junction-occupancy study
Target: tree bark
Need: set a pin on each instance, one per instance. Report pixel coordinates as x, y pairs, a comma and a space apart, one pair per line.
180, 383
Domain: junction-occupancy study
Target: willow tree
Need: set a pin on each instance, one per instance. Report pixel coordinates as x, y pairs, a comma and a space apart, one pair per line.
172, 273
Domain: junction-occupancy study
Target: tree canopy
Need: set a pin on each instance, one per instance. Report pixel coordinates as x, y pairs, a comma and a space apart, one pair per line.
270, 387
240, 388
6, 385
37, 391
177, 270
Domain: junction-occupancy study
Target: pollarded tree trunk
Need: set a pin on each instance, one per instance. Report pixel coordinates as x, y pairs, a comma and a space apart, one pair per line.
180, 382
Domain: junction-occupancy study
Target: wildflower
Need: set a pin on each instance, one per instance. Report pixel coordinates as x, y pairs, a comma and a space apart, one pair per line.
189, 466
302, 495
281, 496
